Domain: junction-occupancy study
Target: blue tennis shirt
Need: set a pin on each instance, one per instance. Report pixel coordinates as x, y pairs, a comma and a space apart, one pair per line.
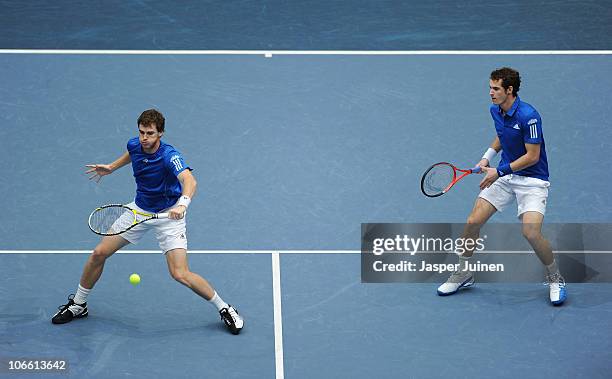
157, 184
522, 124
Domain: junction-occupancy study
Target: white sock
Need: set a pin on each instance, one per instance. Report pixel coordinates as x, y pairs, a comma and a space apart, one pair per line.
81, 295
218, 302
553, 268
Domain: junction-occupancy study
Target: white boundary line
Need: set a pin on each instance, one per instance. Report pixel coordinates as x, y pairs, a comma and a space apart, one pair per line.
278, 316
190, 252
275, 252
269, 53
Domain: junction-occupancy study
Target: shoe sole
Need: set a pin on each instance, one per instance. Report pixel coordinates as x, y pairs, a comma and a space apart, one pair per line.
83, 315
235, 331
558, 302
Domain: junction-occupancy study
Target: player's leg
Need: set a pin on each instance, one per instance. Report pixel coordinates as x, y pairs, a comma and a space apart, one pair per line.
531, 195
77, 304
179, 270
92, 271
482, 211
172, 238
491, 199
532, 231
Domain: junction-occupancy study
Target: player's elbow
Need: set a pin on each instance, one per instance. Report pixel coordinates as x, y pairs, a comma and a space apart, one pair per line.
188, 180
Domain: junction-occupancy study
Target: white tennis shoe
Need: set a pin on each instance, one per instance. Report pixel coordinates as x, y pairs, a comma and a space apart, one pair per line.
233, 321
558, 293
457, 280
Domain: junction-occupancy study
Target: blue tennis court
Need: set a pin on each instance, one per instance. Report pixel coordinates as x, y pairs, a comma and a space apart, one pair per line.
292, 152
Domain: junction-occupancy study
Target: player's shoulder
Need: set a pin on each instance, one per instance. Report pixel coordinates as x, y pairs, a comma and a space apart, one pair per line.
168, 151
133, 144
527, 112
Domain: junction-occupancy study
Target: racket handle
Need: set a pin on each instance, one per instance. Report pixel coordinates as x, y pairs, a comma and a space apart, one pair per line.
162, 215
476, 170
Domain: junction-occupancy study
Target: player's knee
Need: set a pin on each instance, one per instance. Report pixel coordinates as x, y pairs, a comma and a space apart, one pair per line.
474, 222
180, 276
99, 254
531, 233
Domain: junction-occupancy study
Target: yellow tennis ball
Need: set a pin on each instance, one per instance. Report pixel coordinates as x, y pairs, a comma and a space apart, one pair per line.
134, 279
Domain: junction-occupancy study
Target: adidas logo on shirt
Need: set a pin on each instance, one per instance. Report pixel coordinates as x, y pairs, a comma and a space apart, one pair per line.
516, 127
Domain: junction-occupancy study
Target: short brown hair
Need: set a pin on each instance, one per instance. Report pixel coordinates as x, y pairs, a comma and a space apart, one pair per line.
152, 116
509, 77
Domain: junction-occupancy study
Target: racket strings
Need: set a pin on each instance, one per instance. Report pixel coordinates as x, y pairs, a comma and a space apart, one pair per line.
438, 179
111, 220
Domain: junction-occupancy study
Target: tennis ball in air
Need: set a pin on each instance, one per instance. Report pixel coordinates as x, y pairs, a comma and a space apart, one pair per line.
135, 279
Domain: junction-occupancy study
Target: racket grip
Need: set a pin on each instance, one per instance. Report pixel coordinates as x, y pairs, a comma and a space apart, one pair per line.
476, 170
162, 215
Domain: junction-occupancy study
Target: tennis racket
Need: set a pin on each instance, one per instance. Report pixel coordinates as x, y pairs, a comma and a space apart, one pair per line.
114, 219
441, 177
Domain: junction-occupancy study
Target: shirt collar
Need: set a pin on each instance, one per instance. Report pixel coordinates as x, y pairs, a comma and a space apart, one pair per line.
512, 109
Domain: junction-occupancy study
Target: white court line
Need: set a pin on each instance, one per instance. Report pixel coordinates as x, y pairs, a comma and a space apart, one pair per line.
269, 53
278, 317
276, 252
505, 252
190, 251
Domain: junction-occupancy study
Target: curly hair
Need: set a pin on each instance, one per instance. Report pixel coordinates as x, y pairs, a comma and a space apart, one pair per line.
509, 77
150, 117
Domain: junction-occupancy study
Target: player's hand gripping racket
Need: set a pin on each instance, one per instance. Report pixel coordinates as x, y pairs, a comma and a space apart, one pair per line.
114, 219
441, 177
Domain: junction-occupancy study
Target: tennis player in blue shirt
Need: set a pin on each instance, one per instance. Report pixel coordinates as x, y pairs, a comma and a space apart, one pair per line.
164, 183
522, 174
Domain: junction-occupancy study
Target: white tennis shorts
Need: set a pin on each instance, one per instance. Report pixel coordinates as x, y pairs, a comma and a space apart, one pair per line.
530, 193
170, 234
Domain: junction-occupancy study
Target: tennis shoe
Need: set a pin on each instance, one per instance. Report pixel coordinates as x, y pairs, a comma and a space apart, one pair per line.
232, 319
70, 311
556, 283
457, 280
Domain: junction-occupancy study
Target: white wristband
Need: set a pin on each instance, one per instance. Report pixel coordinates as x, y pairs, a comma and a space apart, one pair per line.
184, 201
490, 154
